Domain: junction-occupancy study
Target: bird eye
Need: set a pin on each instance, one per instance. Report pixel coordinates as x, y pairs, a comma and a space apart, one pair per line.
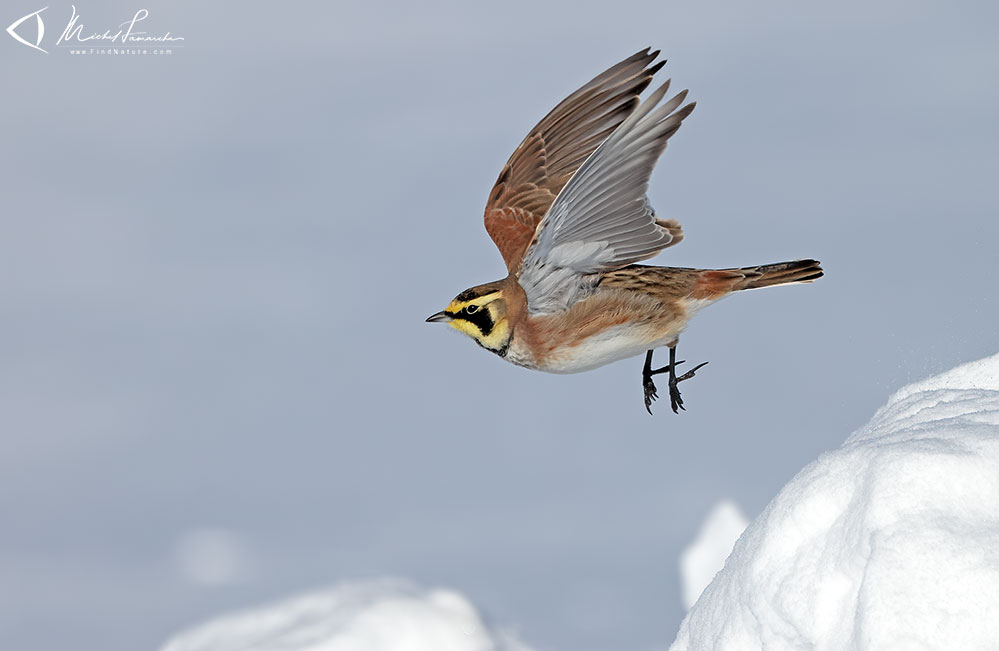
472, 309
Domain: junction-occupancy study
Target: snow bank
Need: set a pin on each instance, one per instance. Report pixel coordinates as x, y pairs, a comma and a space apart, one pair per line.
382, 615
890, 542
704, 557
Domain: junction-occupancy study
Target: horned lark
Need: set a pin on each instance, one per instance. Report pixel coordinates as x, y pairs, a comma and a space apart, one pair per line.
570, 218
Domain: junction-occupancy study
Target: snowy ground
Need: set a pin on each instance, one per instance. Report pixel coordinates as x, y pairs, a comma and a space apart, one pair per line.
701, 561
890, 542
381, 615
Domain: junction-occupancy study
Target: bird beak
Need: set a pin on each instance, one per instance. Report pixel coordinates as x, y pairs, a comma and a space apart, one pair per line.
440, 316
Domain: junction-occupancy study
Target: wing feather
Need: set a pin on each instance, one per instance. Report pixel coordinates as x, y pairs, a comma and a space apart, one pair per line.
601, 220
556, 147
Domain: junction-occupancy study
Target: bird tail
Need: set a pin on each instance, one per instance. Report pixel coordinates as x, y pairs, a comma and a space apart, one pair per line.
715, 283
782, 273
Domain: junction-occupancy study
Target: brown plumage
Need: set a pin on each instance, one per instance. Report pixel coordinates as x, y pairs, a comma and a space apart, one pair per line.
555, 148
570, 218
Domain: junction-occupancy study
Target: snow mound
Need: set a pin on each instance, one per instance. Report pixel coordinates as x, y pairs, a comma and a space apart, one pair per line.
889, 542
704, 557
381, 615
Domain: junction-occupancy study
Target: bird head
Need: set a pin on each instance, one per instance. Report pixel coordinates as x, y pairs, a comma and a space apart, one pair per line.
480, 313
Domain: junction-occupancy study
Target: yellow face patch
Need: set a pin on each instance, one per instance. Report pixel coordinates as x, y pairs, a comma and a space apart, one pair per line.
482, 318
496, 340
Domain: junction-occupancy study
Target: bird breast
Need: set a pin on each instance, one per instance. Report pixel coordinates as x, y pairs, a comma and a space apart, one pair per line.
609, 326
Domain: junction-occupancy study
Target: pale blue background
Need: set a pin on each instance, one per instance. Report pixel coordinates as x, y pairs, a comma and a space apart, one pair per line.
215, 266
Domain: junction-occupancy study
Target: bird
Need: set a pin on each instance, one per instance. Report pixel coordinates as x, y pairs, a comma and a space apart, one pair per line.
571, 218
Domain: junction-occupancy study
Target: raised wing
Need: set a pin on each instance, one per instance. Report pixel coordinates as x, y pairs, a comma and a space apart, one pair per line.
555, 148
601, 220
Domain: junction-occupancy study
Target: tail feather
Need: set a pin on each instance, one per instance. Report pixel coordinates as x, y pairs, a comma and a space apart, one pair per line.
782, 273
714, 283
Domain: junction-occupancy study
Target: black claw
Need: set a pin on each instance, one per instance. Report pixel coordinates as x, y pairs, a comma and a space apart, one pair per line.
689, 374
651, 394
675, 401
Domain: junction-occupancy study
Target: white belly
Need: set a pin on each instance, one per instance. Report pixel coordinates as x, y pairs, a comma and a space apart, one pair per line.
615, 343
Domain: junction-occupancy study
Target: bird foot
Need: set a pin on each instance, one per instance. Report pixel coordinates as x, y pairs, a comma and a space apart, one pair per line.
675, 401
650, 392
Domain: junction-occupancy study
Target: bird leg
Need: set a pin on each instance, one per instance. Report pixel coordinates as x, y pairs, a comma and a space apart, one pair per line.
676, 402
647, 384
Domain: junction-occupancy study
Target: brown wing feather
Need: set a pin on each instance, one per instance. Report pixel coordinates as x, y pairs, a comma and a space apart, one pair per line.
556, 147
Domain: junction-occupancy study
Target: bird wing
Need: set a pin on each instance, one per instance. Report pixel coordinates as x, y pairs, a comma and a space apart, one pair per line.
556, 147
601, 220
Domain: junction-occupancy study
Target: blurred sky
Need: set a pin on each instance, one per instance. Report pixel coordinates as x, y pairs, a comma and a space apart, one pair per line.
215, 266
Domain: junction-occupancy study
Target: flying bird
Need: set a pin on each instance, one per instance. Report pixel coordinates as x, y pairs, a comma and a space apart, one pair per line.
570, 216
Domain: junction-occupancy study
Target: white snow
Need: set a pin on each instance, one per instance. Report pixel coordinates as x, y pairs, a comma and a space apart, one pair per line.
378, 615
889, 542
704, 557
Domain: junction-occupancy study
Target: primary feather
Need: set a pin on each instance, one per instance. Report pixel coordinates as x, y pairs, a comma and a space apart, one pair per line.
555, 148
601, 220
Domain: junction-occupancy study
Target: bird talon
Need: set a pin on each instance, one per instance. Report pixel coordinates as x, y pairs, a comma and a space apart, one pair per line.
675, 401
689, 374
651, 394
